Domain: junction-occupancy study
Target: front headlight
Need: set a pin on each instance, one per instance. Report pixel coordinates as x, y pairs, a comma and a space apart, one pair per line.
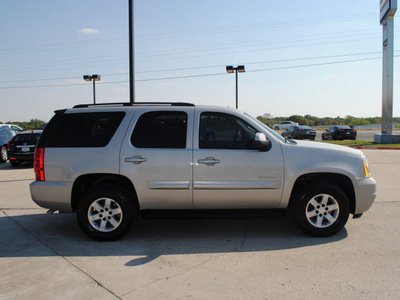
366, 165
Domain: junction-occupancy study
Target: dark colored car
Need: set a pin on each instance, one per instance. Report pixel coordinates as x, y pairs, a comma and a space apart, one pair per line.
6, 134
340, 133
22, 147
300, 133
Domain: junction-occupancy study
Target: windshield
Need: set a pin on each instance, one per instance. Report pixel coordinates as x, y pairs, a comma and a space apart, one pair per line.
271, 131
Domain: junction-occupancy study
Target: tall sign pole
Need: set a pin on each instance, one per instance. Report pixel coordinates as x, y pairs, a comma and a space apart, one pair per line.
387, 10
131, 54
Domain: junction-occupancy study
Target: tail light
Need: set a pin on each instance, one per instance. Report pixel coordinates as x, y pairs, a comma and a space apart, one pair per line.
313, 130
38, 164
9, 143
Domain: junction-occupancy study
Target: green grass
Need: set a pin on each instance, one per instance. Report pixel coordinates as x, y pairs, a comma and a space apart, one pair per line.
352, 143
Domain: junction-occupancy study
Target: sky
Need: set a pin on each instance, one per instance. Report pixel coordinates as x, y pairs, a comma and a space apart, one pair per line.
315, 57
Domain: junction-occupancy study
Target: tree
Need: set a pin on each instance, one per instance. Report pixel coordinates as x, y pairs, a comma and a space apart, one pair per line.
299, 119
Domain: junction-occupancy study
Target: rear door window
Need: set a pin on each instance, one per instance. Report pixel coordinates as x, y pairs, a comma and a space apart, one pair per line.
160, 129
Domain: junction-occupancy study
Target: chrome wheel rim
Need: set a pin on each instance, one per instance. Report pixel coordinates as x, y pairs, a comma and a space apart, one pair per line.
322, 211
4, 153
105, 214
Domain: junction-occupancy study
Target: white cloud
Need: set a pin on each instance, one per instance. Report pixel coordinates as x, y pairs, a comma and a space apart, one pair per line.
89, 31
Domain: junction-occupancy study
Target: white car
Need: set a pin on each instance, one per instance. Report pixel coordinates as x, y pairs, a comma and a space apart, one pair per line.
12, 127
285, 125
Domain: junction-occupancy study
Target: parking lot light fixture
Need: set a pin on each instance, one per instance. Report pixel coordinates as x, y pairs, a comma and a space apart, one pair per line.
94, 78
232, 69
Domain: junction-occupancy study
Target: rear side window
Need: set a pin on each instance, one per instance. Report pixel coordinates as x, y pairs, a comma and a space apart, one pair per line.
83, 129
160, 129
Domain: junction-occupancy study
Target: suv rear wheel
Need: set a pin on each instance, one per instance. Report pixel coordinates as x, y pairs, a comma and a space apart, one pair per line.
321, 209
106, 213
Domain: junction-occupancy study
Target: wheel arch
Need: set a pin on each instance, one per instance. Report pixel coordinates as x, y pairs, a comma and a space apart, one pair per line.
340, 180
86, 182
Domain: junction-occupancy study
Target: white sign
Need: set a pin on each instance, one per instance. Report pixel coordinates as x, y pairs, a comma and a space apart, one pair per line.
388, 9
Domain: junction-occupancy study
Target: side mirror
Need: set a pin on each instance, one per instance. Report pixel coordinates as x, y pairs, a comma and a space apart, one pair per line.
261, 142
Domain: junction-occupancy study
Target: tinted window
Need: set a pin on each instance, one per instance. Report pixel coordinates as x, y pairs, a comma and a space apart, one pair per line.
84, 129
29, 139
160, 129
224, 131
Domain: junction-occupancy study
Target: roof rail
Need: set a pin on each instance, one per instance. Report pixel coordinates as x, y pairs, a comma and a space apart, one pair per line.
135, 104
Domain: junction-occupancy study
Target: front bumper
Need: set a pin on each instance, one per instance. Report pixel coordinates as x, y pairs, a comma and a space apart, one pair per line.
365, 194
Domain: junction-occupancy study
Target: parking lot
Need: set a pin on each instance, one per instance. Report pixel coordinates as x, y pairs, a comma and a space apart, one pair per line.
46, 256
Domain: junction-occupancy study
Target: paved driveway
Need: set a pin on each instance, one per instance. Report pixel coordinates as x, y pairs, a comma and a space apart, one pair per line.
45, 256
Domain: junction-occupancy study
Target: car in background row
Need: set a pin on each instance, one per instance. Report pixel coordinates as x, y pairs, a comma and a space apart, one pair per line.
13, 127
300, 133
339, 133
7, 132
21, 148
284, 125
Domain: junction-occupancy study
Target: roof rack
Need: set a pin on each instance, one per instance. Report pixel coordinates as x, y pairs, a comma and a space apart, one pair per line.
135, 104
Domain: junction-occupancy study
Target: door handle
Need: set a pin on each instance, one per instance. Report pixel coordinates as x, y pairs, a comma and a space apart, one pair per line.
209, 161
136, 159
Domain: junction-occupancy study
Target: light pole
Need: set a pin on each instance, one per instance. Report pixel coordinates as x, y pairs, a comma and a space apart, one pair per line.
93, 78
231, 69
131, 53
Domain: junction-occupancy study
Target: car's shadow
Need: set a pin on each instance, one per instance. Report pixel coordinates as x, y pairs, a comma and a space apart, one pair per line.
8, 166
25, 236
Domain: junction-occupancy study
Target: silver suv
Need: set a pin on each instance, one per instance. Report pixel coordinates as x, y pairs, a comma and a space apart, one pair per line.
110, 162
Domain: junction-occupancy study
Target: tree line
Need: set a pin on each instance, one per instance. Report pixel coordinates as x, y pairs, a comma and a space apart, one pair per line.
268, 119
32, 124
309, 120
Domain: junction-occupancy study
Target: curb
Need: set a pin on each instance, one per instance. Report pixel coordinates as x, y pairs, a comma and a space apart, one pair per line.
375, 148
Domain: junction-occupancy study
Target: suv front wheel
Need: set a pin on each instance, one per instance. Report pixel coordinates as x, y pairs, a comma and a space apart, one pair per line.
106, 213
321, 209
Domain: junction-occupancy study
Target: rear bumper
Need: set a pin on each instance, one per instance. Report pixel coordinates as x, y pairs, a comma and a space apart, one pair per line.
305, 136
21, 157
365, 194
344, 136
52, 195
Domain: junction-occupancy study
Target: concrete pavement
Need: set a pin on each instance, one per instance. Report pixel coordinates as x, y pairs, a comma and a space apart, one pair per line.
46, 256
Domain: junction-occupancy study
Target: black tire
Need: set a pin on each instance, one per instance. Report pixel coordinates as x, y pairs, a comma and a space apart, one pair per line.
112, 211
3, 154
320, 209
15, 163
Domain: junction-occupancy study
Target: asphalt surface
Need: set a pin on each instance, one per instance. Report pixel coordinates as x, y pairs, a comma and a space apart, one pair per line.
46, 256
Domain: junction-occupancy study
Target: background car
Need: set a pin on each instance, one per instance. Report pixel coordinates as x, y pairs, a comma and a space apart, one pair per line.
300, 133
22, 147
12, 127
6, 134
339, 133
284, 125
